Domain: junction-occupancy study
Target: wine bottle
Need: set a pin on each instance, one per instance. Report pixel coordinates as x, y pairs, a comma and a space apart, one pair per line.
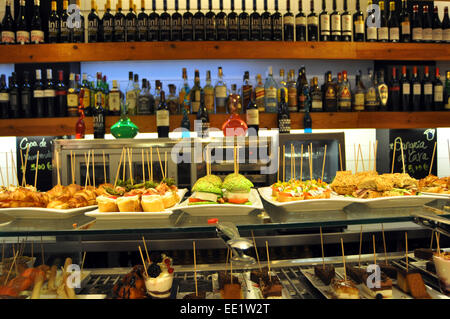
203, 118
49, 94
210, 23
335, 19
22, 30
284, 119
199, 23
427, 31
361, 98
164, 24
221, 23
393, 24
93, 24
416, 91
196, 93
153, 24
26, 93
437, 26
383, 30
417, 30
78, 26
446, 27
61, 95
108, 23
99, 118
302, 89
347, 24
7, 27
316, 96
330, 94
394, 92
288, 23
371, 29
37, 33
4, 97
252, 115
119, 24
177, 23
438, 92
14, 96
65, 32
324, 23
358, 24
233, 24
277, 24
72, 96
405, 90
313, 24
255, 24
300, 23
266, 24
130, 24
383, 91
38, 96
405, 22
427, 88
162, 117
244, 24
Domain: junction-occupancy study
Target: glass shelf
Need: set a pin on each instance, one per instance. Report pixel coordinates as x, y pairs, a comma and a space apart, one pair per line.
179, 222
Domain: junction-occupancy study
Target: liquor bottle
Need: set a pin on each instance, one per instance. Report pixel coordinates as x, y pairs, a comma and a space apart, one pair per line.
142, 22
158, 88
347, 24
208, 92
288, 23
284, 120
38, 96
252, 117
371, 98
78, 26
438, 92
447, 91
130, 24
65, 34
316, 96
330, 94
131, 95
210, 23
405, 23
143, 103
185, 125
199, 23
203, 118
80, 126
383, 91
105, 93
292, 92
153, 105
427, 31
260, 94
233, 24
324, 23
172, 100
313, 24
119, 24
344, 94
405, 90
115, 98
49, 95
416, 98
277, 24
162, 117
99, 118
61, 96
446, 27
358, 24
164, 24
26, 93
300, 23
266, 24
108, 23
427, 89
335, 19
184, 96
417, 30
393, 24
220, 92
196, 93
4, 97
359, 94
282, 86
22, 30
37, 33
221, 23
98, 88
383, 30
246, 90
255, 24
7, 27
234, 105
437, 26
302, 89
93, 24
244, 24
307, 122
371, 29
14, 96
153, 24
72, 96
86, 88
394, 92
270, 93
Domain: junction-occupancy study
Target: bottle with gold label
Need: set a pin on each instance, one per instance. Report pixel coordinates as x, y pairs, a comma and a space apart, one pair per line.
72, 96
282, 86
358, 24
259, 93
358, 94
220, 92
208, 91
85, 87
184, 96
115, 98
345, 95
247, 90
330, 94
196, 93
372, 99
292, 92
316, 96
382, 91
172, 100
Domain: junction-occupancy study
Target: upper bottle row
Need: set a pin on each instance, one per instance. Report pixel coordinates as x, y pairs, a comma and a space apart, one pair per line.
408, 23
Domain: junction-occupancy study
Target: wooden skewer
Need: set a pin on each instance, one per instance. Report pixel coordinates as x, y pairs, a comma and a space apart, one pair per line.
42, 252
231, 265
301, 163
375, 157
284, 163
165, 164
360, 248
87, 160
406, 240
148, 165
7, 171
130, 159
437, 243
195, 270
1, 175
21, 165
403, 158
160, 163
143, 165
57, 168
362, 161
118, 169
151, 163
370, 146
321, 244
13, 163
356, 157
146, 251
71, 167
393, 156
82, 263
104, 165
324, 158
311, 163
37, 169
432, 237
432, 158
340, 156
268, 260
278, 170
93, 168
24, 178
124, 164
3, 251
143, 261
10, 268
384, 244
343, 260
374, 251
292, 163
256, 251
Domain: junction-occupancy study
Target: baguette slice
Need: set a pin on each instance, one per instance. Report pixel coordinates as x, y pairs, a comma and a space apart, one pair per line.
129, 204
152, 203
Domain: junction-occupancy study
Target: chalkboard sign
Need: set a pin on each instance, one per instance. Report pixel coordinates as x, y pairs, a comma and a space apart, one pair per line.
43, 144
418, 145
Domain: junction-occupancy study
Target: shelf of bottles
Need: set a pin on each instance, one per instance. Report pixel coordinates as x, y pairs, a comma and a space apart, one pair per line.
402, 34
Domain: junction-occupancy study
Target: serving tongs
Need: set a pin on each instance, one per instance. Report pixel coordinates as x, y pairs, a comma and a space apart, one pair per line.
229, 233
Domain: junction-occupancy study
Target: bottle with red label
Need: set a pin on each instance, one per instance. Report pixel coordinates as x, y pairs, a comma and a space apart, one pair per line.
438, 92
61, 95
8, 36
394, 92
37, 33
344, 94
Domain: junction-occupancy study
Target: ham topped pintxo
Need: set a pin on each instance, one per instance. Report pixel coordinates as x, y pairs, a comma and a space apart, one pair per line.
300, 190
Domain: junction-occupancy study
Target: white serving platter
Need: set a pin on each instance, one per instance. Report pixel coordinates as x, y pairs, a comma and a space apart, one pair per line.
335, 202
137, 215
444, 196
222, 209
45, 213
397, 201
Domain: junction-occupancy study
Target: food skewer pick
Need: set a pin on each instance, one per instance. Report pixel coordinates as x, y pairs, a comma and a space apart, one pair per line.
195, 270
301, 163
292, 166
370, 146
384, 244
375, 157
165, 164
124, 164
21, 166
374, 251
143, 165
321, 244
14, 169
432, 159
343, 260
324, 158
146, 251
437, 243
1, 175
360, 247
340, 156
278, 170
148, 165
37, 169
104, 166
10, 268
7, 171
403, 157
118, 169
432, 238
362, 160
151, 163
82, 263
86, 159
231, 265
71, 166
393, 156
42, 251
406, 250
143, 261
160, 163
256, 251
130, 156
24, 178
93, 168
284, 163
268, 260
311, 163
57, 168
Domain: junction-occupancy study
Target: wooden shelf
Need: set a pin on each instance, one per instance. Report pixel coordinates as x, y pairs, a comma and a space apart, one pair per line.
80, 52
147, 123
